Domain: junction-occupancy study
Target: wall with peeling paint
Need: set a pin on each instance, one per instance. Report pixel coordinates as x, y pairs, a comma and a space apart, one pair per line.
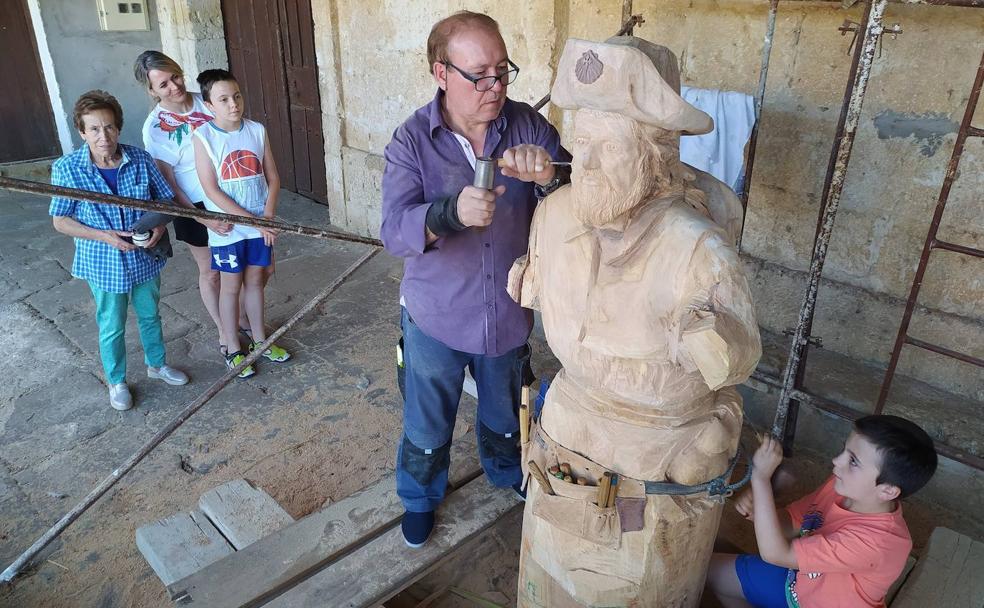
374, 74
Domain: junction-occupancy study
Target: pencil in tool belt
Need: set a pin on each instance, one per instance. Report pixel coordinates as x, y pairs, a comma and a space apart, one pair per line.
540, 477
604, 486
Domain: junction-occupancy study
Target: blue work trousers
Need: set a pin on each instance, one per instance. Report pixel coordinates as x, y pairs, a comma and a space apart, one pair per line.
434, 374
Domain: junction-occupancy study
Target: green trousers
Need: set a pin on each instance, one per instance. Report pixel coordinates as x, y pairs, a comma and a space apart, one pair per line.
111, 310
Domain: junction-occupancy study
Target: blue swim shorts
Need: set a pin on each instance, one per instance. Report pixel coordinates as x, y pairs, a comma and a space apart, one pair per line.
237, 256
763, 584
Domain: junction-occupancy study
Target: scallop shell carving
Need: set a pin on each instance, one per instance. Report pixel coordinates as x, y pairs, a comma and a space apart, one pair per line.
588, 68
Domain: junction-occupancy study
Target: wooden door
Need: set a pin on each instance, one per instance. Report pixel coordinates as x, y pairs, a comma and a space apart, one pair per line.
27, 125
271, 53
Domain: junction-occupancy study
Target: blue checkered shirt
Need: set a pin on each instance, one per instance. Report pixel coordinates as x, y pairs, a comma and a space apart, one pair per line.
105, 267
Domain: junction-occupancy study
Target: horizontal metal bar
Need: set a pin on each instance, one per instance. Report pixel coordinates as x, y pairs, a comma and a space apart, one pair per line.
169, 208
842, 411
977, 253
956, 3
945, 351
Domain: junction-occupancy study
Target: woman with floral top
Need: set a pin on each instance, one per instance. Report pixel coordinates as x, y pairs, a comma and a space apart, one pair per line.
167, 137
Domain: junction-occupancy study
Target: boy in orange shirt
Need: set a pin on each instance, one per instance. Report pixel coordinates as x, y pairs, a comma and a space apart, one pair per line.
841, 546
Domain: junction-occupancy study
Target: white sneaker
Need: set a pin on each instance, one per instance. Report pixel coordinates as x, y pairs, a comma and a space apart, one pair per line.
172, 376
119, 396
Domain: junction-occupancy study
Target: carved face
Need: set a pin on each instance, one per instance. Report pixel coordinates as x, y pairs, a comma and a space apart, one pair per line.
607, 167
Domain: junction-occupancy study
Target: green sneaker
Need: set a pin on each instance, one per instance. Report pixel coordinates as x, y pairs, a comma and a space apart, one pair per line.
274, 353
234, 359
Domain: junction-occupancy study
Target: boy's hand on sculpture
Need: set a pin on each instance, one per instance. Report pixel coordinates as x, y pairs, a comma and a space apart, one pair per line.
528, 163
767, 458
745, 504
476, 206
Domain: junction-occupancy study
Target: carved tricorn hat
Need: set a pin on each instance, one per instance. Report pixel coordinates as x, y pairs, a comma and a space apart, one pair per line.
629, 76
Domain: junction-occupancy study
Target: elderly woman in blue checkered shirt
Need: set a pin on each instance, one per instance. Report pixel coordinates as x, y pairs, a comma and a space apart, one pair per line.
118, 273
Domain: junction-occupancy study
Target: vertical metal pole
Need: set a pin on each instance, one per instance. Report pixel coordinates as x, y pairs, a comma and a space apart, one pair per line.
872, 24
793, 409
965, 131
770, 30
627, 14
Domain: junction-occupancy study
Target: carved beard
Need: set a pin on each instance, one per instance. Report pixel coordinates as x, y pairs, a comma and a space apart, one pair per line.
597, 205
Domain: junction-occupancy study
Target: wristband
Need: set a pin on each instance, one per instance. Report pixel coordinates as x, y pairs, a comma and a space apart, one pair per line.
562, 176
442, 217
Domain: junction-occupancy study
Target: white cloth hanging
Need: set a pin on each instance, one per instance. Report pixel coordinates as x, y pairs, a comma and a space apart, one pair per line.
722, 151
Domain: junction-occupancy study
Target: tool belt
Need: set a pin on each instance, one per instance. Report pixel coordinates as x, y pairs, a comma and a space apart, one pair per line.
576, 509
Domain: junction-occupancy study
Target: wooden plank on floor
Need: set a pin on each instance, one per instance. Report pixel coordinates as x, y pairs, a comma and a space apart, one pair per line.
951, 574
243, 513
290, 554
380, 569
180, 545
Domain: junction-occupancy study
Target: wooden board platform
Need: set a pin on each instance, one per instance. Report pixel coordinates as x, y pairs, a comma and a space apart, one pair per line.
295, 552
951, 574
180, 545
243, 513
381, 568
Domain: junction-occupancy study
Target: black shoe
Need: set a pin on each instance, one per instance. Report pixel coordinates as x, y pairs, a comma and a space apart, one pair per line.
417, 528
519, 490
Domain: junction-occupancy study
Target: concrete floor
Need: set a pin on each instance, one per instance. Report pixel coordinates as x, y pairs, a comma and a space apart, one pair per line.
305, 431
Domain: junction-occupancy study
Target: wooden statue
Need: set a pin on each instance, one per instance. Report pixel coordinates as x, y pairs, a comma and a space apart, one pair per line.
645, 304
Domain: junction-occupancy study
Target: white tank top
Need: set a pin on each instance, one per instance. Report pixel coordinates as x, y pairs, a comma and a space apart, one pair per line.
167, 137
237, 158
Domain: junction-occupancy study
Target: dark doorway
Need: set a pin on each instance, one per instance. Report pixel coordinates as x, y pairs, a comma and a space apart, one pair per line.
25, 110
271, 52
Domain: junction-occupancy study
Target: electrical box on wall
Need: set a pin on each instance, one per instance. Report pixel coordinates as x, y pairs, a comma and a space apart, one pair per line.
115, 16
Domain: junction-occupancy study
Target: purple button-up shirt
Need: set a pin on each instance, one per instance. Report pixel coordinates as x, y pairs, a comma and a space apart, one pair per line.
455, 288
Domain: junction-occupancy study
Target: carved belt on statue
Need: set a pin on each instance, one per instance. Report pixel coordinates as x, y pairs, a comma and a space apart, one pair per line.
577, 508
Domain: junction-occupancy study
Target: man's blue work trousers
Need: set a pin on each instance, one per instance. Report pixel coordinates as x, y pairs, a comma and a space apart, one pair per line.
434, 374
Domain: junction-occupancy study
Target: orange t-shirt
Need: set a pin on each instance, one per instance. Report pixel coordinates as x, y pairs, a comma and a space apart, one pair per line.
846, 559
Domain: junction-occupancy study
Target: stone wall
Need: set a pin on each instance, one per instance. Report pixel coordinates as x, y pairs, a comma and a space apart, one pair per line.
373, 67
192, 33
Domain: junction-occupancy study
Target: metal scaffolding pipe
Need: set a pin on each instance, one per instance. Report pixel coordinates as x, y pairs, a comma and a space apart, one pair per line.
770, 31
28, 187
902, 337
8, 575
872, 24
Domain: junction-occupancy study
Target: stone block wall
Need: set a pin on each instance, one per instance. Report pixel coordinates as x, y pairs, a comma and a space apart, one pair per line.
372, 61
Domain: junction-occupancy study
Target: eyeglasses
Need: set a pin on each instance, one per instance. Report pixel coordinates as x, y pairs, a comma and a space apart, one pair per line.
484, 83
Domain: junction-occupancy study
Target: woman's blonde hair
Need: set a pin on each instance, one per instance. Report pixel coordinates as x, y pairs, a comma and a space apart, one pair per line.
154, 60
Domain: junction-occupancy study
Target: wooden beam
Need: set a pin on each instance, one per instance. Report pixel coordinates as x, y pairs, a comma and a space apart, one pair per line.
293, 553
385, 566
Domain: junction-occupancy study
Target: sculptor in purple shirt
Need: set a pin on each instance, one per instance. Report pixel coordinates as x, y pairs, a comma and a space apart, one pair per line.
455, 288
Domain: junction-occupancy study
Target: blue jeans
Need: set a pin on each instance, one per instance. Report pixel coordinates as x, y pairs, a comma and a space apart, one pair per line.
434, 374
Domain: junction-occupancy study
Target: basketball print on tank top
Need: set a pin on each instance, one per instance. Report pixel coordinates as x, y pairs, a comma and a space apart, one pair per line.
240, 164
